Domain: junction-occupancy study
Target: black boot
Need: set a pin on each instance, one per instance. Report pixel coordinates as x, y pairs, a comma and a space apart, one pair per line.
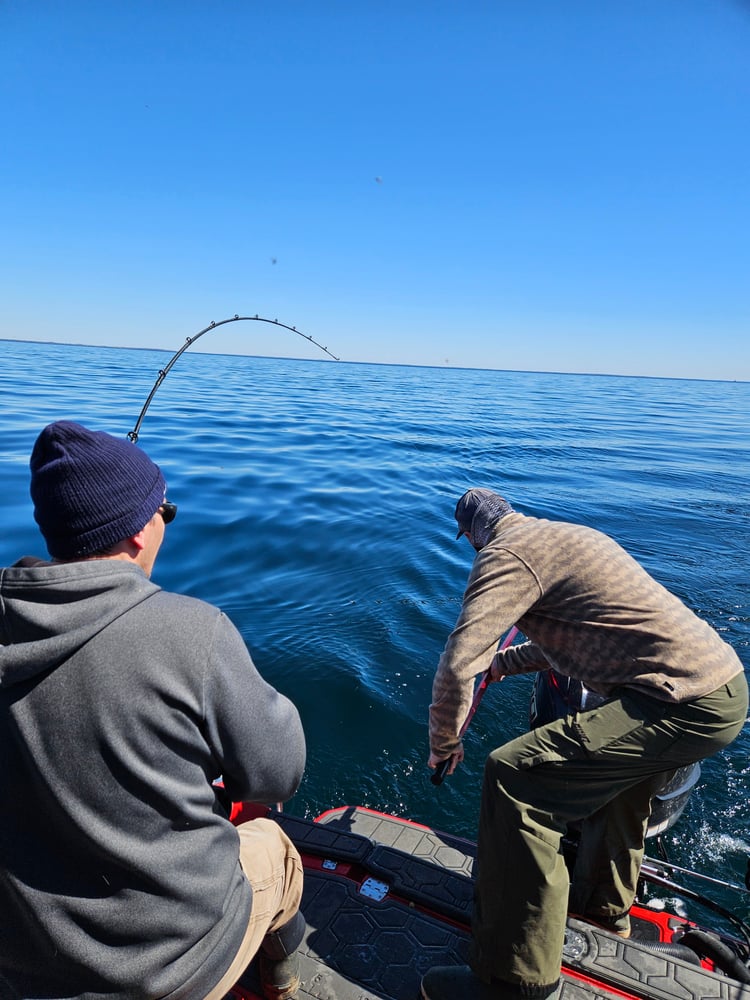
279, 978
278, 962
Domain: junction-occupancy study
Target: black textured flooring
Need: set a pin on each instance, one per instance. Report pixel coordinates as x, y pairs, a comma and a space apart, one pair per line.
362, 947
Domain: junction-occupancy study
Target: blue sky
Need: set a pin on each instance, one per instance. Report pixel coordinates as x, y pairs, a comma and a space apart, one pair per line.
552, 185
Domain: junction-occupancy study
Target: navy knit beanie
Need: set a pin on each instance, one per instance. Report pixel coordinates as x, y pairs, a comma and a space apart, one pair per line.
90, 490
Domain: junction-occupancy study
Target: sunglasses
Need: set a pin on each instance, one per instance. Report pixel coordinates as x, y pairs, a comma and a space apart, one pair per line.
168, 511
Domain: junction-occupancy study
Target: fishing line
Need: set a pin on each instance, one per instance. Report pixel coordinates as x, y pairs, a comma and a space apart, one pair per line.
163, 372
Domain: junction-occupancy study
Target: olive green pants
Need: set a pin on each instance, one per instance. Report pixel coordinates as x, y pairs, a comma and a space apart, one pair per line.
600, 766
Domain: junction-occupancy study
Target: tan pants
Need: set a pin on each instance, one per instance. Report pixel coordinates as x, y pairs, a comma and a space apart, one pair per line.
274, 870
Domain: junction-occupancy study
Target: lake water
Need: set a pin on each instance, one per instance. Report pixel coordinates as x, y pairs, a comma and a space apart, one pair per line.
315, 507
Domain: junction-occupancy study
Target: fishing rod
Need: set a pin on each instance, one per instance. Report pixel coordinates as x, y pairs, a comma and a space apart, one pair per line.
665, 865
441, 769
163, 372
660, 873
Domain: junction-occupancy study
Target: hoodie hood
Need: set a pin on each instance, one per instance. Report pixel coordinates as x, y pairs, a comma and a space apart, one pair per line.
48, 611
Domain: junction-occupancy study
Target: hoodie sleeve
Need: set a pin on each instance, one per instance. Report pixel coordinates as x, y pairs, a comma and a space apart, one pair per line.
255, 732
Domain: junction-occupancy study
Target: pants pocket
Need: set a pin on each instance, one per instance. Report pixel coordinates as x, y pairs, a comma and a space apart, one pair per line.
613, 722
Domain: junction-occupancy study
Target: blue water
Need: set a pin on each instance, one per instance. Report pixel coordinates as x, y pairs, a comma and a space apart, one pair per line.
315, 507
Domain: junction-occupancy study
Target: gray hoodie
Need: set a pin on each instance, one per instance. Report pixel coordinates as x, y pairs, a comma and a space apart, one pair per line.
120, 704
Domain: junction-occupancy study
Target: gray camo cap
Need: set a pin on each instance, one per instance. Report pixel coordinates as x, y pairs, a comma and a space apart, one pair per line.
477, 512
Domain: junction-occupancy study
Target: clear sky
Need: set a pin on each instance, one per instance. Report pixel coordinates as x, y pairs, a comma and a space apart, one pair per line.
553, 185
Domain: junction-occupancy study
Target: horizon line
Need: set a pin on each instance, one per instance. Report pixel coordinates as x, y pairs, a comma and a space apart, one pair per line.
389, 364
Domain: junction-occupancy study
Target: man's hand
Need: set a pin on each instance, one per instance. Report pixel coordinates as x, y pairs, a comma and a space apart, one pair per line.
455, 759
496, 670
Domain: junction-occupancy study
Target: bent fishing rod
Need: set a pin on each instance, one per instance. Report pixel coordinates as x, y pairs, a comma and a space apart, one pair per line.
441, 769
163, 372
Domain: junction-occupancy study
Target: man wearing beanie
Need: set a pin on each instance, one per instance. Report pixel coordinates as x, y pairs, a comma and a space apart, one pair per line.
673, 693
121, 876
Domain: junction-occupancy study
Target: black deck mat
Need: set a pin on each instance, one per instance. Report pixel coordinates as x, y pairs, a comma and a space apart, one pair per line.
323, 840
454, 854
360, 948
357, 948
417, 864
642, 969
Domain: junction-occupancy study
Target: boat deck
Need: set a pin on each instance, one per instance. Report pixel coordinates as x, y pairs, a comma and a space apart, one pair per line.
385, 900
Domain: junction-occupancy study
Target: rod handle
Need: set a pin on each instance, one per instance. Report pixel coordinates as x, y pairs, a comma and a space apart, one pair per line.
440, 772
